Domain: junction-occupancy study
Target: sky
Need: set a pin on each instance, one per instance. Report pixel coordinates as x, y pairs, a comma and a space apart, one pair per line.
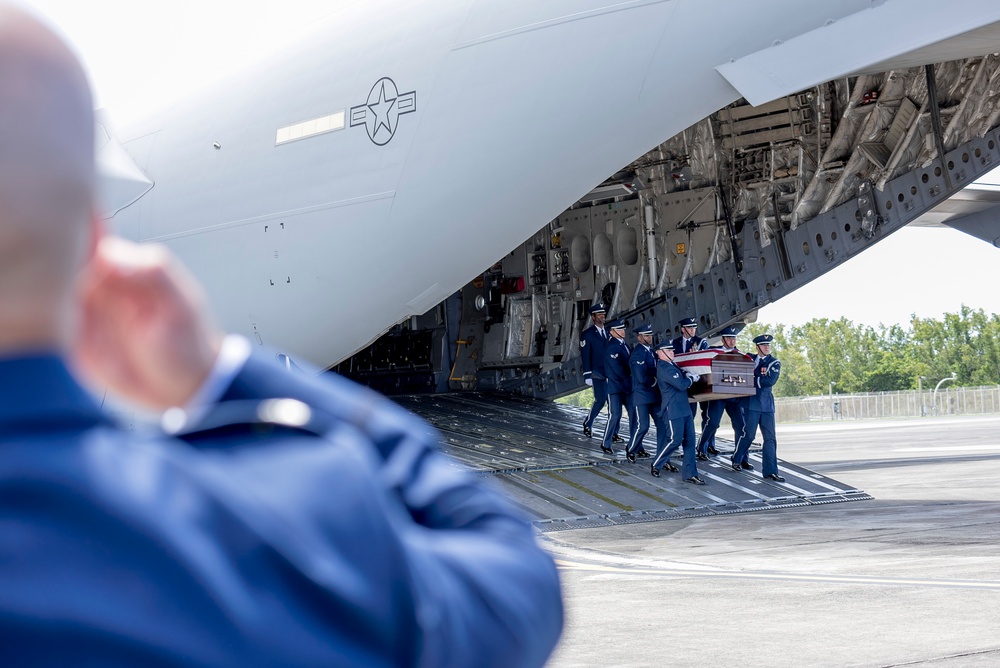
140, 55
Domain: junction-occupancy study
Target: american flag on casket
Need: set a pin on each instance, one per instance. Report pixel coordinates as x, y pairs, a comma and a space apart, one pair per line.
723, 375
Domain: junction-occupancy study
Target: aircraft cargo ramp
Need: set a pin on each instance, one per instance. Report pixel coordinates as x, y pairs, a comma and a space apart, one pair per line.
537, 454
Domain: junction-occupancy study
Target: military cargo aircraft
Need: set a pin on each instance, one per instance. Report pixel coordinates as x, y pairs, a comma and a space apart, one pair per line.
428, 196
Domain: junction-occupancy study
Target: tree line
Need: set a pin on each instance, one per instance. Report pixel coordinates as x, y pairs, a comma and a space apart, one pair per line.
861, 358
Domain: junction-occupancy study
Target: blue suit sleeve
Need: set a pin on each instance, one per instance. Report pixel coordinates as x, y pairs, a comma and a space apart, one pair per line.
680, 382
485, 592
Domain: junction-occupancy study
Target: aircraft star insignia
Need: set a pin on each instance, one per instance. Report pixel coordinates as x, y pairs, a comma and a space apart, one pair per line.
380, 114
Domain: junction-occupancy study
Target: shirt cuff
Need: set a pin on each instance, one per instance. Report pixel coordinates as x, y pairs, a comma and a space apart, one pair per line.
233, 354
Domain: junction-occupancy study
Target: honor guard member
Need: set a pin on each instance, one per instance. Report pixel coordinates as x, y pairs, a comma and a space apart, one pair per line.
732, 407
676, 417
760, 411
592, 344
616, 356
687, 342
261, 544
645, 394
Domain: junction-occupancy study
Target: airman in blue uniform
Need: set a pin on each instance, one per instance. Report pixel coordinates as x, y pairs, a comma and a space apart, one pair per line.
676, 416
732, 407
592, 343
300, 520
616, 357
759, 410
687, 342
645, 393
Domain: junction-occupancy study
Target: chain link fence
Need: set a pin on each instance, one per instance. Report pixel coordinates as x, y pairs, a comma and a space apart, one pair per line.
910, 403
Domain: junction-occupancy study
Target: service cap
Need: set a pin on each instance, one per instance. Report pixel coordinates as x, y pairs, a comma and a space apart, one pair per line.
688, 322
617, 324
763, 338
729, 331
597, 308
645, 328
666, 345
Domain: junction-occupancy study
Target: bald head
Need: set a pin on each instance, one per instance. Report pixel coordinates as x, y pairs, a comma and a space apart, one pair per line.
46, 178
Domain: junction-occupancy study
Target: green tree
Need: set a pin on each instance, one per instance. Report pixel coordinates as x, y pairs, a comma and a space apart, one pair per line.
965, 343
891, 364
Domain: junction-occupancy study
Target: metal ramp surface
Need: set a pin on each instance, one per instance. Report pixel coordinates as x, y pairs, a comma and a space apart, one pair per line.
535, 451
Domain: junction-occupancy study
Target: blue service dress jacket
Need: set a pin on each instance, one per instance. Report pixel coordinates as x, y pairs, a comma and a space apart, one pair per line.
616, 357
766, 372
592, 345
263, 547
642, 364
697, 343
673, 384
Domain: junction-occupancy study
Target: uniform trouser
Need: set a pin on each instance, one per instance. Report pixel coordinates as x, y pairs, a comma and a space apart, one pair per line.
715, 409
642, 413
600, 398
677, 432
704, 422
770, 455
616, 402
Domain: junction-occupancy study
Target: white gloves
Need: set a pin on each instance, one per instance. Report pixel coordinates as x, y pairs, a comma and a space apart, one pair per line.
589, 382
694, 377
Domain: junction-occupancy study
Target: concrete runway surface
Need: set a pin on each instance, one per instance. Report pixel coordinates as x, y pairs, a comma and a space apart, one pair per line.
911, 578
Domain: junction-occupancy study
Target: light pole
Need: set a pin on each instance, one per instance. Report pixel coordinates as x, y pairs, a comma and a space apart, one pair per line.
953, 376
920, 394
833, 413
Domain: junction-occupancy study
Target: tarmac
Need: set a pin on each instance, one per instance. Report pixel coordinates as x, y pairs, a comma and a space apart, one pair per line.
909, 578
535, 453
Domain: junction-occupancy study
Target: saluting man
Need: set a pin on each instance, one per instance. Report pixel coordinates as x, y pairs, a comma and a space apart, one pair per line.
645, 394
733, 407
673, 383
760, 411
616, 356
592, 344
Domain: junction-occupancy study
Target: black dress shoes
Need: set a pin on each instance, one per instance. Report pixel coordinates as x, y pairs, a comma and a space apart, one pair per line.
695, 480
586, 430
653, 471
630, 456
617, 439
642, 454
775, 477
670, 467
713, 451
746, 466
607, 450
737, 467
702, 458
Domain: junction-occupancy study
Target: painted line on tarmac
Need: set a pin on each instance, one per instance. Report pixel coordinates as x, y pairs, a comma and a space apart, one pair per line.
580, 566
947, 449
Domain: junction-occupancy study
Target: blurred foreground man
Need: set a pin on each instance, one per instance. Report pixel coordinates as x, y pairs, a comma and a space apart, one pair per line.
318, 529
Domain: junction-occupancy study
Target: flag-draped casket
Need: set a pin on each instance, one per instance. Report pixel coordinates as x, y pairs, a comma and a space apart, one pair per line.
723, 375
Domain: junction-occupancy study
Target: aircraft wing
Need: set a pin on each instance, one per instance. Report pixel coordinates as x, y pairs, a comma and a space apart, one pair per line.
881, 38
975, 211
